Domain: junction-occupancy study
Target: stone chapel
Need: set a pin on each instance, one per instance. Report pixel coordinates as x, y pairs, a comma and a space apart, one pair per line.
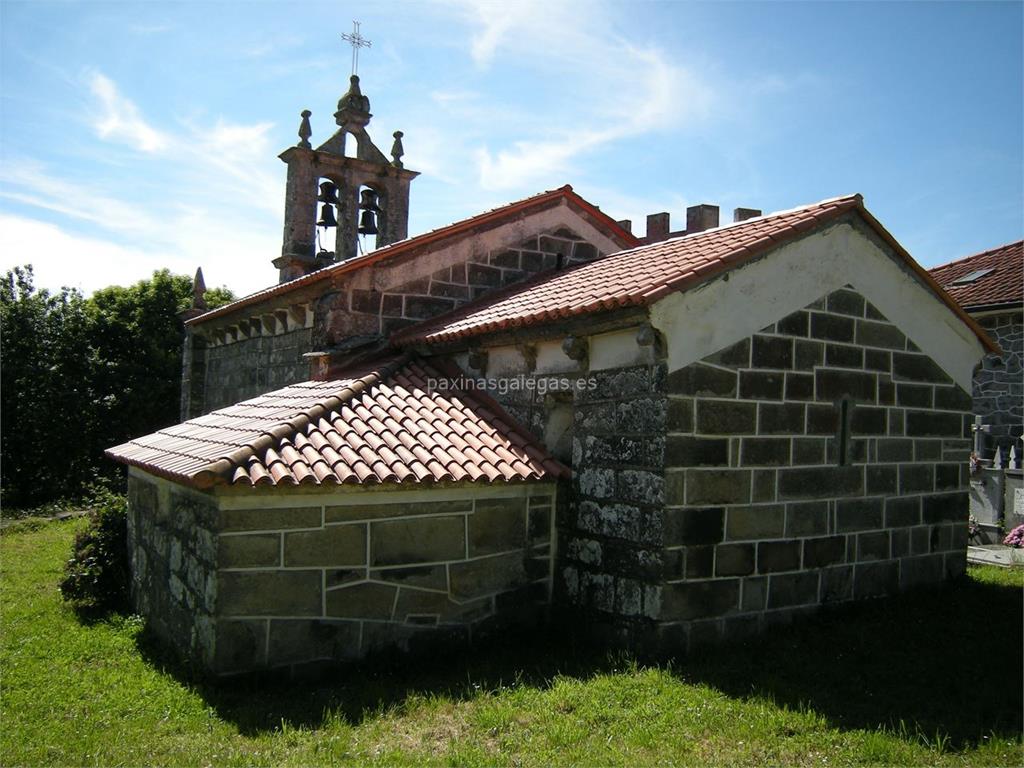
681, 438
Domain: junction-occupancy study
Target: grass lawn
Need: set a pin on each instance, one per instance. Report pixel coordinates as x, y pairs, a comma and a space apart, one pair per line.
906, 681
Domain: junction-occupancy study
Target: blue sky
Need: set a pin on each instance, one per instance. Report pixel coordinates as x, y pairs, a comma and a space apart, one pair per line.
144, 135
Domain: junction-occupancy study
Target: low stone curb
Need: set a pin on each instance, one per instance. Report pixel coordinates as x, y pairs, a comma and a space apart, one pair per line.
996, 554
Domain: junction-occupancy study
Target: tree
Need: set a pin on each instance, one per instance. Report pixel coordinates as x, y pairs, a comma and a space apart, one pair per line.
136, 339
44, 383
80, 375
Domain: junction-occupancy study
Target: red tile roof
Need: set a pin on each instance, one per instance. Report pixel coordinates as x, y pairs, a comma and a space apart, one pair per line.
484, 220
1004, 284
377, 423
643, 275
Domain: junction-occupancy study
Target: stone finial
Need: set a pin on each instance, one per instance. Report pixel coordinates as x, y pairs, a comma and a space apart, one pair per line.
1014, 458
305, 130
353, 106
199, 290
397, 150
997, 462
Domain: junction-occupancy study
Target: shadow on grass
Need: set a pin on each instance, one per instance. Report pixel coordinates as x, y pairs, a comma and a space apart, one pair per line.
942, 665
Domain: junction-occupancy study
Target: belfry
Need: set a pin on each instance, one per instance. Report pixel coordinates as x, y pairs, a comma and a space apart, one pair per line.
346, 185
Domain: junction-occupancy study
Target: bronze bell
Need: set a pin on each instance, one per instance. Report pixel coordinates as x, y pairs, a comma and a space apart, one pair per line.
327, 216
328, 192
368, 201
367, 223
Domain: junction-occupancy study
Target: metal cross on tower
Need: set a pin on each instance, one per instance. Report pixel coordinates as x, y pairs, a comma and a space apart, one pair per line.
357, 41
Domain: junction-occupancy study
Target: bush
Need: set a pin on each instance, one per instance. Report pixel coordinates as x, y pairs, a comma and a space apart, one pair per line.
96, 578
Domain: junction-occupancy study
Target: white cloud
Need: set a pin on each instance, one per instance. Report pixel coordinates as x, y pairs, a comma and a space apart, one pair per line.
236, 160
61, 256
613, 89
120, 119
201, 195
29, 183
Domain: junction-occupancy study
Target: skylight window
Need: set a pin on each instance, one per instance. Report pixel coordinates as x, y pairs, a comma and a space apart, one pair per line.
970, 277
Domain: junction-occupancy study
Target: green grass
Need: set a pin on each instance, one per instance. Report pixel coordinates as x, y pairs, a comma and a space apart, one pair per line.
905, 681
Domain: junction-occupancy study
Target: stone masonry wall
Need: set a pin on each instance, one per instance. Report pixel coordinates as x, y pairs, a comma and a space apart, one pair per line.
822, 460
328, 583
172, 548
999, 385
610, 524
249, 367
612, 561
244, 359
354, 311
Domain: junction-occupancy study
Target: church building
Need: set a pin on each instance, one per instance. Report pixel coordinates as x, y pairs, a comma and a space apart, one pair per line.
415, 441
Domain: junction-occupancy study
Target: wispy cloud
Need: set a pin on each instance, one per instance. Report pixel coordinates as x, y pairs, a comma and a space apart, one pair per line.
618, 90
118, 117
150, 29
237, 158
196, 194
30, 183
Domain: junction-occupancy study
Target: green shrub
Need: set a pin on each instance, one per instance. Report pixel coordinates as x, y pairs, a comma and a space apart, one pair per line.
96, 578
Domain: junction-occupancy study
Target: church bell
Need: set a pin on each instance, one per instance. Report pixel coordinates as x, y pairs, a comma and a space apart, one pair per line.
328, 192
370, 209
367, 223
327, 216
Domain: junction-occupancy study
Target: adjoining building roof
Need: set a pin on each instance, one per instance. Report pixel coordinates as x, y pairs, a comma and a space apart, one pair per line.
481, 221
986, 280
375, 423
642, 276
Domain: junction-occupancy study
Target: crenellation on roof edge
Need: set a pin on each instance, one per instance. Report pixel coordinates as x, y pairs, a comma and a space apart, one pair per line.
815, 215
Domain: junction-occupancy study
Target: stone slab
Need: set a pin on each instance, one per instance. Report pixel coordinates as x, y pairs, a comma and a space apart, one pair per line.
424, 540
269, 519
269, 593
333, 546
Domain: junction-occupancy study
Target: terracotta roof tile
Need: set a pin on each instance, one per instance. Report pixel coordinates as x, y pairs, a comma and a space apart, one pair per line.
342, 431
489, 218
1001, 280
643, 275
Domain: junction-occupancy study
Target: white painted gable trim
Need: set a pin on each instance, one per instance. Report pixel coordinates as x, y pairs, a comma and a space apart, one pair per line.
706, 319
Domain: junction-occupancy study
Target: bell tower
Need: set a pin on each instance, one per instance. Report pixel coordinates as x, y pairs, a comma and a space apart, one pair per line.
344, 197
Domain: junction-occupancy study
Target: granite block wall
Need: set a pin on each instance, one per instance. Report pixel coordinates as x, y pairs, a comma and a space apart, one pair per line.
609, 523
353, 311
172, 549
238, 369
329, 583
237, 590
822, 460
239, 358
999, 385
611, 561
